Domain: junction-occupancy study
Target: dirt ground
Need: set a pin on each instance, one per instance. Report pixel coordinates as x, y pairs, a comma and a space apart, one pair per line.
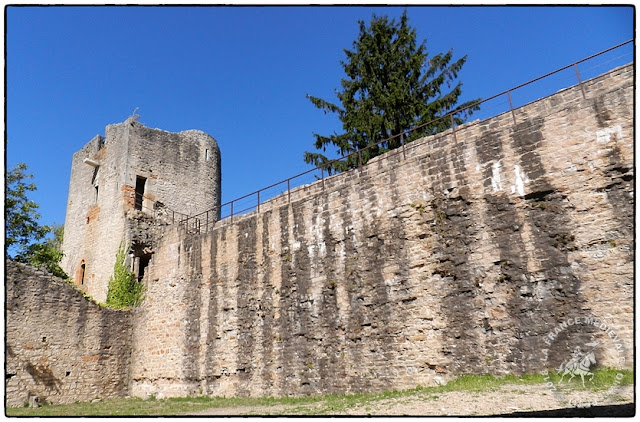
516, 400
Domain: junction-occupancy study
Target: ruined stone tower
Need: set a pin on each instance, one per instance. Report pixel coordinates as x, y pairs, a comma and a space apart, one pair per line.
122, 186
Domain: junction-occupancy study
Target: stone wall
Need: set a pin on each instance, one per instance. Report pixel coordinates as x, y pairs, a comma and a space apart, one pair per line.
491, 250
475, 254
59, 346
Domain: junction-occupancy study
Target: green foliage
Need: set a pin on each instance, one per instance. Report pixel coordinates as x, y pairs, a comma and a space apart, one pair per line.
391, 87
124, 289
24, 234
22, 226
46, 255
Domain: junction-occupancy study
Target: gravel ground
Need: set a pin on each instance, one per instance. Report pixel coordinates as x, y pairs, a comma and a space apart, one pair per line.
508, 400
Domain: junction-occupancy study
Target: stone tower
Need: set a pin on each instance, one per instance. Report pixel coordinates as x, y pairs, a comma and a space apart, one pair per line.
120, 186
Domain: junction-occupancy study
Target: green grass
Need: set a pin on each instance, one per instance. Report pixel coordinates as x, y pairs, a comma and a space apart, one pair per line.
326, 404
139, 407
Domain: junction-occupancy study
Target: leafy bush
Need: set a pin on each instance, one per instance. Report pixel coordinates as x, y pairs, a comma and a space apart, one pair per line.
124, 289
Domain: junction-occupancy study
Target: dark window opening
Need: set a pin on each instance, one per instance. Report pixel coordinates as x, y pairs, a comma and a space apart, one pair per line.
82, 269
96, 194
140, 185
95, 175
143, 263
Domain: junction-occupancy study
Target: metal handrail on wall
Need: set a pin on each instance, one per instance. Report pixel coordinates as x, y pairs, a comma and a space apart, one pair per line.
194, 223
157, 208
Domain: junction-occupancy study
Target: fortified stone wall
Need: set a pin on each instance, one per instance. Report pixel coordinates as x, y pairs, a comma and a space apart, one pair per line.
461, 258
59, 346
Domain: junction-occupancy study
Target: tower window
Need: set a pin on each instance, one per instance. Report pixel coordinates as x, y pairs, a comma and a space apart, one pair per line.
207, 155
80, 274
96, 193
140, 185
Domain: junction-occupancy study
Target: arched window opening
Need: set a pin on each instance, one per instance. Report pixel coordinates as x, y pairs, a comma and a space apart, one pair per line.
81, 273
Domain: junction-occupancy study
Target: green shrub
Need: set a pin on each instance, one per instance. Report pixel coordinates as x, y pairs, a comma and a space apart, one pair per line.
124, 289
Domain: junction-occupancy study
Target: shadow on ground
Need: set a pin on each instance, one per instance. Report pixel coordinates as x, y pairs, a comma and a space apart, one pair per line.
613, 410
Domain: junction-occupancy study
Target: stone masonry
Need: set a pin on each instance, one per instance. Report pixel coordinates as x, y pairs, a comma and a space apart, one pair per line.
461, 258
60, 347
495, 249
169, 173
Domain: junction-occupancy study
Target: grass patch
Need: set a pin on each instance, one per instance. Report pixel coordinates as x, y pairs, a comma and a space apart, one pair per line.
315, 405
153, 407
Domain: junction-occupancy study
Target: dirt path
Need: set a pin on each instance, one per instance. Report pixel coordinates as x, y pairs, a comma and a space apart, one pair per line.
509, 399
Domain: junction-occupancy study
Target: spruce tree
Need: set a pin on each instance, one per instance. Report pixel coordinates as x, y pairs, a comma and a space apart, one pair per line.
391, 86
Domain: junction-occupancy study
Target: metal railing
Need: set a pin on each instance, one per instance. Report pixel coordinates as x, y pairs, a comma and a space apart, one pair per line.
157, 209
195, 223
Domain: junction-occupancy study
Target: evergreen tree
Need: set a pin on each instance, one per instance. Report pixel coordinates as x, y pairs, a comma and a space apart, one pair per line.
391, 86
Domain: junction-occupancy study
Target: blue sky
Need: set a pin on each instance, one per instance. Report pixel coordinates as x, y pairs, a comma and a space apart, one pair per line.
241, 74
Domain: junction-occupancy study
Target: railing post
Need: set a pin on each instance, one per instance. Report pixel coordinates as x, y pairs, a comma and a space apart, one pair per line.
453, 128
513, 114
258, 208
359, 159
404, 153
232, 211
322, 177
575, 66
289, 189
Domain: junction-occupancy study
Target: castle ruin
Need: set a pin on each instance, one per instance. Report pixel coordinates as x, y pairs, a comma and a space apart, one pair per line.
476, 252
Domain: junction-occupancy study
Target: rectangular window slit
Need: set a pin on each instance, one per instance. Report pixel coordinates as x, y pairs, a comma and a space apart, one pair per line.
140, 185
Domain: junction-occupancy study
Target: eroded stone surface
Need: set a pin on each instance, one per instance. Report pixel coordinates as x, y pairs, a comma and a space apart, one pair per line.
459, 259
61, 348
